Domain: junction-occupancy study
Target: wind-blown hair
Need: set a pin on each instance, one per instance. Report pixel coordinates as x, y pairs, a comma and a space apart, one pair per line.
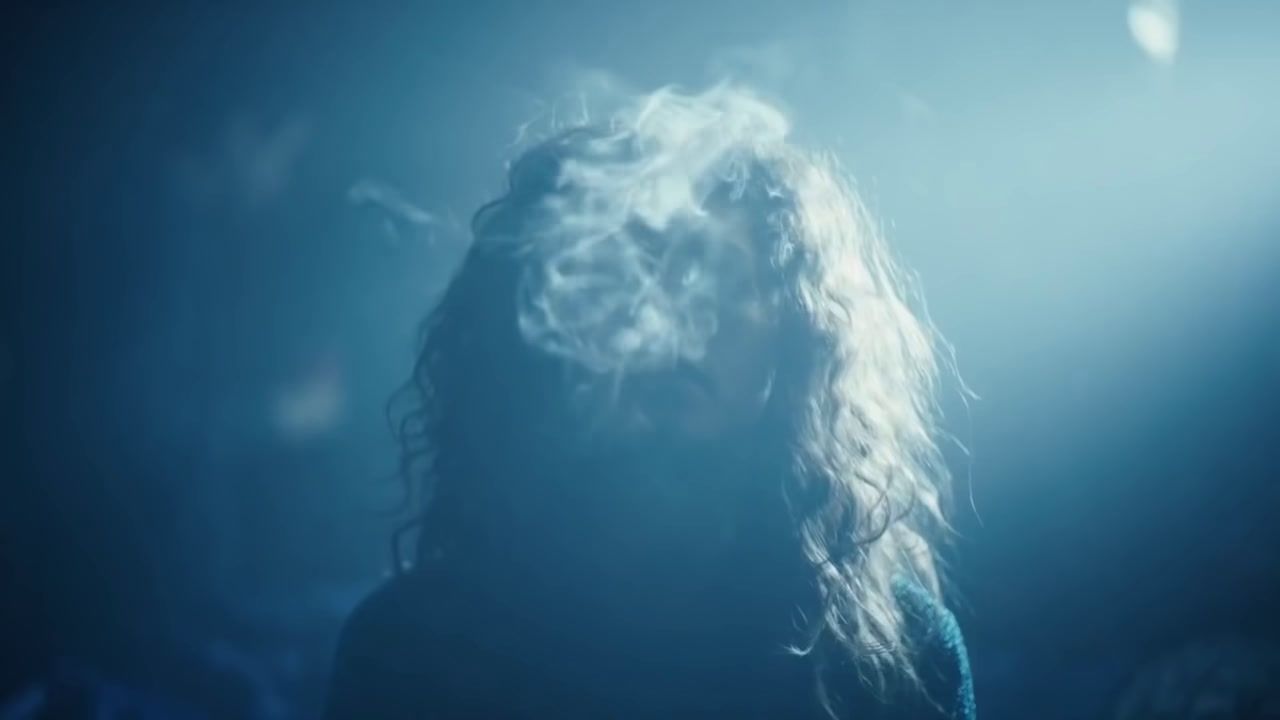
854, 396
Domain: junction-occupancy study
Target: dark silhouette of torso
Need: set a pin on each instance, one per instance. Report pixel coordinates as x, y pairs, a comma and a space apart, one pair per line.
455, 640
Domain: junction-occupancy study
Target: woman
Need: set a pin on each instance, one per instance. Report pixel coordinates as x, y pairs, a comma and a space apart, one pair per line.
672, 426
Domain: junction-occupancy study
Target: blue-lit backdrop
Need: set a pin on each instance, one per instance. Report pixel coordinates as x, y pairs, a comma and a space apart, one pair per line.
226, 222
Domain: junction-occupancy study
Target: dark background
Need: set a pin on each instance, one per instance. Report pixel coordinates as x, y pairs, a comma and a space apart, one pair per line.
224, 223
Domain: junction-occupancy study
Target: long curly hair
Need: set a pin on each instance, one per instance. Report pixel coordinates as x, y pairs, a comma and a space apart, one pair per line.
853, 401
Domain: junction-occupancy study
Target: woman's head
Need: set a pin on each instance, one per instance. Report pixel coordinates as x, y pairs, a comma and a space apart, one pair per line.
683, 282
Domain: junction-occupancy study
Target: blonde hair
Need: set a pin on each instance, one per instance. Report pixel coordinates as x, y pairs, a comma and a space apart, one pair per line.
867, 487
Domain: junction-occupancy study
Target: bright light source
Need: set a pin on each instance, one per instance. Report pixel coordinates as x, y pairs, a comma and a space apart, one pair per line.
1154, 26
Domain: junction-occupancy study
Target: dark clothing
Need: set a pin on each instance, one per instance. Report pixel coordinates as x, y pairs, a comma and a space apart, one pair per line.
423, 649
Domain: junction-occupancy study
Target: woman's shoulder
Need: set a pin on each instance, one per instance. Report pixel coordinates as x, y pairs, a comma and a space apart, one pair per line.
399, 636
395, 600
410, 610
942, 688
943, 659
